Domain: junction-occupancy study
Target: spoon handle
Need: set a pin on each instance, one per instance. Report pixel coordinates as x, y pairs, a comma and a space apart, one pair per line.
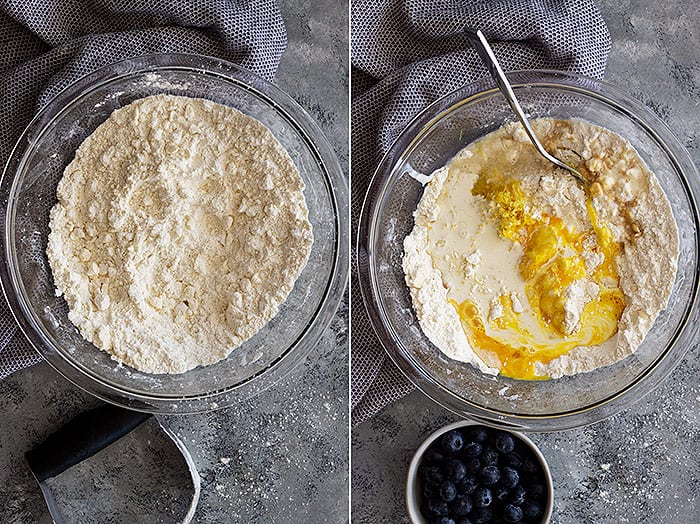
486, 54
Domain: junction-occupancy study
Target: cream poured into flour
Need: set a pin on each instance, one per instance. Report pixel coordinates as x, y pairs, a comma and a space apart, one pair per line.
511, 263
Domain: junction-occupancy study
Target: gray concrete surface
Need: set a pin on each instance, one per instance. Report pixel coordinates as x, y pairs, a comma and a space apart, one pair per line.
641, 466
282, 456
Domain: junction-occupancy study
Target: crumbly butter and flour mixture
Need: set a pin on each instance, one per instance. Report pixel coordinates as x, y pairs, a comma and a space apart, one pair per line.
180, 228
515, 267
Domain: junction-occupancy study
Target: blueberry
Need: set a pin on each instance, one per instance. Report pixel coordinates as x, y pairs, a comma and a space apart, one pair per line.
482, 497
509, 477
531, 510
433, 475
517, 495
480, 515
426, 511
490, 457
455, 470
464, 520
434, 456
501, 493
489, 475
442, 520
421, 471
448, 491
513, 460
472, 449
438, 507
512, 513
452, 441
473, 464
466, 486
461, 506
429, 490
530, 466
477, 433
537, 490
504, 443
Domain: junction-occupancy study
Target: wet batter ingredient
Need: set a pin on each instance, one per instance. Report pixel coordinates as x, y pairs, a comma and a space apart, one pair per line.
515, 267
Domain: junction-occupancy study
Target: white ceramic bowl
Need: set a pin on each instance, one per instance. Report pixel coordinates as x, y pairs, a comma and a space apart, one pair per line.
414, 484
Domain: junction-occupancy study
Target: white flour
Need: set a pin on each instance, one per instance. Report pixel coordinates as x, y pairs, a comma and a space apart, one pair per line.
455, 252
181, 227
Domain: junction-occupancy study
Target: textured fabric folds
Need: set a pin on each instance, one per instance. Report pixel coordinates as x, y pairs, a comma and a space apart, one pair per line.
49, 44
408, 53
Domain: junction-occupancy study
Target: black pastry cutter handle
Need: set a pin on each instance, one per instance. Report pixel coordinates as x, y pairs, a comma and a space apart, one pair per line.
81, 438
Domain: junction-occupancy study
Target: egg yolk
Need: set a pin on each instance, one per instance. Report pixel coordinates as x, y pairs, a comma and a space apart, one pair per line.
552, 261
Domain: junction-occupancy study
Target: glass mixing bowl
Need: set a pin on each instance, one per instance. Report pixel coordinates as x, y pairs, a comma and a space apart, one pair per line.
426, 144
28, 190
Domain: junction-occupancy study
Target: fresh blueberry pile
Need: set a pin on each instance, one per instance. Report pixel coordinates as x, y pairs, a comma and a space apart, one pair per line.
477, 474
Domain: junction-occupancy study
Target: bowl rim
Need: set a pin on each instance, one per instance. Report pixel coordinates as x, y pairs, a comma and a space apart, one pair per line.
334, 180
378, 186
411, 493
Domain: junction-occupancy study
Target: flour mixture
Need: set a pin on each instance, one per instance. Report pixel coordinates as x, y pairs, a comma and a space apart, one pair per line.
180, 228
516, 268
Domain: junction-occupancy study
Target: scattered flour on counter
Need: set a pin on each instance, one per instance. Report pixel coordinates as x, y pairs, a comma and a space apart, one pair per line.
180, 228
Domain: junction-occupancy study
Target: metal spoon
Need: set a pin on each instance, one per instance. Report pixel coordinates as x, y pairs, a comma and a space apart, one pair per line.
485, 52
